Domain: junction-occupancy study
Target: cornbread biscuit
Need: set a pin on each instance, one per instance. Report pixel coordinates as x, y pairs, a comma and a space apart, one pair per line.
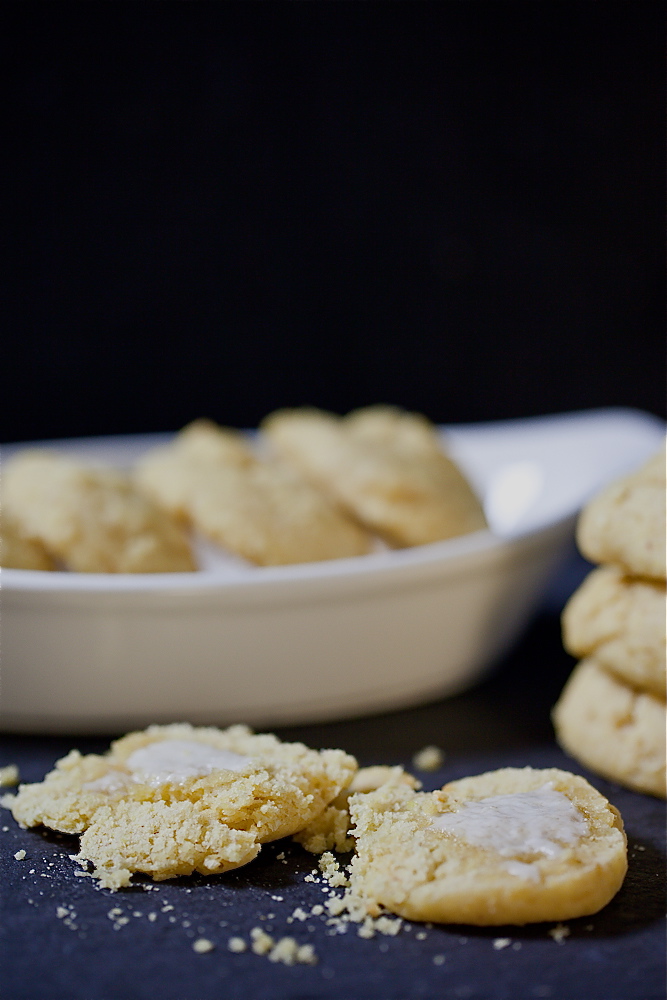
92, 520
261, 510
330, 830
613, 729
513, 846
625, 524
621, 621
19, 552
385, 466
175, 799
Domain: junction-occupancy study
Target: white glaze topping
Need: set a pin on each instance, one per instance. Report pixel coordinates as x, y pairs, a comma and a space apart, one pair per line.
177, 760
541, 822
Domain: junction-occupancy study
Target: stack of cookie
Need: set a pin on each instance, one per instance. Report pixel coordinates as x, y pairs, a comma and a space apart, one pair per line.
611, 715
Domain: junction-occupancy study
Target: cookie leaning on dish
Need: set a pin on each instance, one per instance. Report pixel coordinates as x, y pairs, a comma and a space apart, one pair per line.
91, 520
257, 508
513, 846
384, 466
176, 799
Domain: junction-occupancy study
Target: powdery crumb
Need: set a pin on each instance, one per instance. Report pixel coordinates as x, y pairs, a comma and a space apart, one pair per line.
289, 952
438, 959
237, 945
262, 943
152, 917
19, 855
429, 758
9, 776
332, 871
559, 933
501, 943
202, 946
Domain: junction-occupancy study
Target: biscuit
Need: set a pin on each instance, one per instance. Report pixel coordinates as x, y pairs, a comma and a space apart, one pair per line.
330, 830
621, 621
19, 552
261, 510
92, 520
176, 799
613, 729
385, 466
625, 524
513, 846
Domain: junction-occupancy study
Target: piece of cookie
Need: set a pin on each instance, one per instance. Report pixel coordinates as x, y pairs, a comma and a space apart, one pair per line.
625, 524
261, 510
19, 552
513, 846
330, 830
621, 621
92, 520
172, 800
385, 466
613, 729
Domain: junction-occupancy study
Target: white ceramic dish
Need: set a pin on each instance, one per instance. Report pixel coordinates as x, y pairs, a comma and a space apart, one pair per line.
277, 645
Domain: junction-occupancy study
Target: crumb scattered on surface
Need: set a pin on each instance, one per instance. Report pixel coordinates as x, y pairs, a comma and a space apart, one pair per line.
429, 758
501, 943
9, 776
237, 945
202, 946
559, 933
19, 855
438, 959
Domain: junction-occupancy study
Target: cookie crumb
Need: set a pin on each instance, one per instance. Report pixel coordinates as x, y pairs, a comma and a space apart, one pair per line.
237, 945
559, 933
19, 855
501, 943
62, 912
9, 776
429, 758
438, 959
202, 946
262, 943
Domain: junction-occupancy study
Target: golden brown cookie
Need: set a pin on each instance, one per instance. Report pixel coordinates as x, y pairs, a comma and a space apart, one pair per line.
625, 524
613, 729
513, 846
259, 509
385, 466
19, 552
92, 520
620, 620
176, 799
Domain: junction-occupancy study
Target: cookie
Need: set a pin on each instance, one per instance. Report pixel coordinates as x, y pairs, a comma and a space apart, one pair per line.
176, 799
613, 729
19, 552
513, 846
259, 509
91, 520
625, 524
330, 831
621, 621
385, 466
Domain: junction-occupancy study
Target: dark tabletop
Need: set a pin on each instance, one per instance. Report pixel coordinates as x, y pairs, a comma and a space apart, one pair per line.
81, 952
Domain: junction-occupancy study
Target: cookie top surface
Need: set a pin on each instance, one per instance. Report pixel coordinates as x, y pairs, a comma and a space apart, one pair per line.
257, 508
509, 846
383, 465
92, 520
621, 621
625, 523
612, 728
214, 795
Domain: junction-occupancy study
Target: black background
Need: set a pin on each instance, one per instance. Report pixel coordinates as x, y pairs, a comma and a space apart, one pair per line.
221, 208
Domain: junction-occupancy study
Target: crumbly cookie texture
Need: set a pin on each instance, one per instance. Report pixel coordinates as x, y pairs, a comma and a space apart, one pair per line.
513, 846
260, 509
176, 799
19, 552
625, 524
92, 520
383, 465
621, 621
330, 831
612, 728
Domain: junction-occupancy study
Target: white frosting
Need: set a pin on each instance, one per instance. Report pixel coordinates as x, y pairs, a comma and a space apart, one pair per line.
172, 761
177, 760
542, 822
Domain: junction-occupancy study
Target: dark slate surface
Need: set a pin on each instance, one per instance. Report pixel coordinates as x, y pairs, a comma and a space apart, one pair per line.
618, 954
